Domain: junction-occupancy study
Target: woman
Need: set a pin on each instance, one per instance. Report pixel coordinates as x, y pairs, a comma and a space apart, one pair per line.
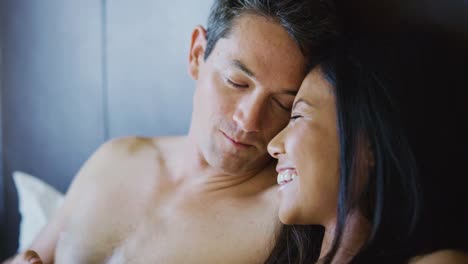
369, 165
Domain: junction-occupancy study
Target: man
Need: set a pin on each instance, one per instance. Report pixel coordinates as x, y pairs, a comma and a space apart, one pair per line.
207, 197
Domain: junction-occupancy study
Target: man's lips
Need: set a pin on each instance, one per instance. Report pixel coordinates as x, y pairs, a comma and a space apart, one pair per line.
235, 142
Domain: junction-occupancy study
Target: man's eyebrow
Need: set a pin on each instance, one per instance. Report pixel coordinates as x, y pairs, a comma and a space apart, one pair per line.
301, 100
291, 92
241, 66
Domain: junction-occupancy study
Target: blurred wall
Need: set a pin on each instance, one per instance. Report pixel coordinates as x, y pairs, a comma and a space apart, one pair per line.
77, 73
2, 205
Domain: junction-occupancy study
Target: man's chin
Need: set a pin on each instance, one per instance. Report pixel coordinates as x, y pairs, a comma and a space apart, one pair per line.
238, 165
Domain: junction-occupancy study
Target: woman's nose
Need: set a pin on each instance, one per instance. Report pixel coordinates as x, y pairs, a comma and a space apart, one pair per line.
276, 145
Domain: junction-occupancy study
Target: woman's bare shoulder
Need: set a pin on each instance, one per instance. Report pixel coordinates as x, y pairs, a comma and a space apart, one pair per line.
447, 256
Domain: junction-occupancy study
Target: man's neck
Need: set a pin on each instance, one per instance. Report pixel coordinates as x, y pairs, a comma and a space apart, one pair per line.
196, 172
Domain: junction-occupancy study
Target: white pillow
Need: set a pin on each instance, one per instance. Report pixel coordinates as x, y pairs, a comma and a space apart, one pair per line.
37, 203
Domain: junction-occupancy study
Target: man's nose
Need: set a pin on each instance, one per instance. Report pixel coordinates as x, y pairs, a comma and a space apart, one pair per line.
248, 114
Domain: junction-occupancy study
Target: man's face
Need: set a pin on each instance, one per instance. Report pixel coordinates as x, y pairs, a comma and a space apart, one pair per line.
244, 92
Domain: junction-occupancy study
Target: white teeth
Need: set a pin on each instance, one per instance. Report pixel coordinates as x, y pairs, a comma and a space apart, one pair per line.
285, 176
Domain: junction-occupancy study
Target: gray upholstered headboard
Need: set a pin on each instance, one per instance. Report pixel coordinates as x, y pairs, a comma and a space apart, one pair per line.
2, 198
76, 73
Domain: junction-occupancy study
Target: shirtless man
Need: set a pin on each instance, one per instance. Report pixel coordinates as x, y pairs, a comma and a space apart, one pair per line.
207, 197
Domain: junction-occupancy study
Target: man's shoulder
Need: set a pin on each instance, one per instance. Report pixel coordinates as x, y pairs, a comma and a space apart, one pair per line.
128, 155
127, 146
115, 158
134, 145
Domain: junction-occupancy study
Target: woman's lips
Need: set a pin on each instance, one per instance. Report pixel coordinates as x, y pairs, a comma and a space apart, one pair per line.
285, 176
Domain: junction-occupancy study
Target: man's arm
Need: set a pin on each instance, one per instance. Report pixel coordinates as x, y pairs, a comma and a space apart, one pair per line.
43, 247
443, 256
29, 256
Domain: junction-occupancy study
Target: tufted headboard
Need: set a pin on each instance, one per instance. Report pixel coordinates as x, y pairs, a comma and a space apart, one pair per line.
77, 73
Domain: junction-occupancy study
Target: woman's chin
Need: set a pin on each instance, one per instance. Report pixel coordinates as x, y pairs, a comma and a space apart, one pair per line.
289, 206
293, 216
288, 217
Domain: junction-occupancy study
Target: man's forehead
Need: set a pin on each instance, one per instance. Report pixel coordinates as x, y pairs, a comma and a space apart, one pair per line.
254, 30
262, 49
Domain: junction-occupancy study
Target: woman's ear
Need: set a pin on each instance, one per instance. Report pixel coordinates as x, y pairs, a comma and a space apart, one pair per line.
197, 51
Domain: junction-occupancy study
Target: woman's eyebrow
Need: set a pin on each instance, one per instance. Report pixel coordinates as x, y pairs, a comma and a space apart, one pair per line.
301, 100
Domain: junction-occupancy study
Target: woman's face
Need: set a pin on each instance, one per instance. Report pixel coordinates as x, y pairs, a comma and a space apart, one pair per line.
308, 156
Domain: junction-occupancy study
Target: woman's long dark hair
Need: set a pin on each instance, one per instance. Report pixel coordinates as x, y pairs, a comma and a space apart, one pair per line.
382, 92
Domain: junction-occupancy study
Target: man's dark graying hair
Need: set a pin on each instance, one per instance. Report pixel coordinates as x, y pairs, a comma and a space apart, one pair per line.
310, 23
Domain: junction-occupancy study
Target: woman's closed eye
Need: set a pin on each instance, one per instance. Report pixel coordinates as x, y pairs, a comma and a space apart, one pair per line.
294, 117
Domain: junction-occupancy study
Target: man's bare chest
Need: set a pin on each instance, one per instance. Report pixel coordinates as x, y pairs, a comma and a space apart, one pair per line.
216, 239
225, 235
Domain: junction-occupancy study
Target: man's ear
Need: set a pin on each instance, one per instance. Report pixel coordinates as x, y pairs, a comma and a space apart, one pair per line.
197, 51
